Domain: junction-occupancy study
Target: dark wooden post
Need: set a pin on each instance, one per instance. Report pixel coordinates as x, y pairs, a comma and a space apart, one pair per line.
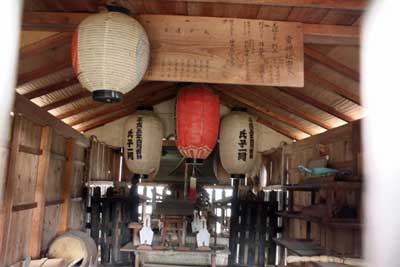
233, 222
273, 227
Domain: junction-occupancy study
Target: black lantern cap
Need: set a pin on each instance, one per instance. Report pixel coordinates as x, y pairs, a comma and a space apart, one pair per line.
120, 9
239, 109
107, 96
140, 176
146, 108
238, 176
193, 161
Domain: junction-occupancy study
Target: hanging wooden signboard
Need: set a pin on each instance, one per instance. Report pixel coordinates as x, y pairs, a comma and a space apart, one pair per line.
225, 50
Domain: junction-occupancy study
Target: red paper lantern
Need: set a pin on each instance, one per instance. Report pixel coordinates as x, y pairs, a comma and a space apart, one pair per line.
197, 122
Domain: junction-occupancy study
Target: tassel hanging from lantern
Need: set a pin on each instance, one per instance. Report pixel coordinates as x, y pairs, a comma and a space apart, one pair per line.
197, 122
110, 54
143, 134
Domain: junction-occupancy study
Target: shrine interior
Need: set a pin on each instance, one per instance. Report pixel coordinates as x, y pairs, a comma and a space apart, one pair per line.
162, 133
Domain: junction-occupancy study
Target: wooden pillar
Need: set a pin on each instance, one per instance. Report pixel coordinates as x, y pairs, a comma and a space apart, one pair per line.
68, 172
6, 207
40, 198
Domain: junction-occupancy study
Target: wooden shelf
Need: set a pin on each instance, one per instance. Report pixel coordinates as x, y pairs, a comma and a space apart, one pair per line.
299, 215
333, 223
307, 248
301, 248
315, 184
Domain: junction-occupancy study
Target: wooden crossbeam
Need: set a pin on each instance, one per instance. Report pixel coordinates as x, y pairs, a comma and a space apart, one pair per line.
81, 109
66, 101
328, 85
49, 68
329, 4
128, 101
316, 103
167, 95
51, 88
230, 102
331, 34
331, 63
36, 114
257, 91
45, 44
313, 33
261, 108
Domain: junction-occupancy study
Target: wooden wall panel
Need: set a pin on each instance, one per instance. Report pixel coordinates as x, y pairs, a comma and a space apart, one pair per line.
50, 225
344, 149
19, 236
26, 170
54, 181
104, 162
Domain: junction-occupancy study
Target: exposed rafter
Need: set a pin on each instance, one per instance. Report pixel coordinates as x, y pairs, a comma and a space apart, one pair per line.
76, 111
47, 69
45, 44
330, 4
230, 102
331, 34
140, 91
166, 95
51, 88
67, 100
331, 63
313, 102
257, 91
129, 101
261, 108
313, 33
328, 85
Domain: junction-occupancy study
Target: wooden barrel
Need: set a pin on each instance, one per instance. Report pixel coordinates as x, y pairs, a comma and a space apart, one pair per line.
75, 246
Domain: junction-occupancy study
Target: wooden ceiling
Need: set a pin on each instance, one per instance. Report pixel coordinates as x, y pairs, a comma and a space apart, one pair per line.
329, 99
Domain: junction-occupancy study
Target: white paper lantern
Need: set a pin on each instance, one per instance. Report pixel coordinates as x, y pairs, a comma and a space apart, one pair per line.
143, 134
110, 55
238, 142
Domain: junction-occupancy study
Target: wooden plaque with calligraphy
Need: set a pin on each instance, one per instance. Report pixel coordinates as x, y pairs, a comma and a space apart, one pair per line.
225, 50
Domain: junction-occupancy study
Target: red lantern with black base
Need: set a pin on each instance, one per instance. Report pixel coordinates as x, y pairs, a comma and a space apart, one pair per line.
197, 122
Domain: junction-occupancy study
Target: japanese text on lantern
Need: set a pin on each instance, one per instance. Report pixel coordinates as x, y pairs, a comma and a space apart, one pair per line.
242, 151
139, 128
251, 133
129, 144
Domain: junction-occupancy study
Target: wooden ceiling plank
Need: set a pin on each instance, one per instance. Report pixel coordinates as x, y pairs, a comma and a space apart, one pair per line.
331, 63
313, 33
140, 90
315, 103
127, 111
51, 88
328, 85
285, 106
66, 101
329, 4
263, 109
127, 102
81, 109
229, 102
47, 69
45, 44
331, 34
